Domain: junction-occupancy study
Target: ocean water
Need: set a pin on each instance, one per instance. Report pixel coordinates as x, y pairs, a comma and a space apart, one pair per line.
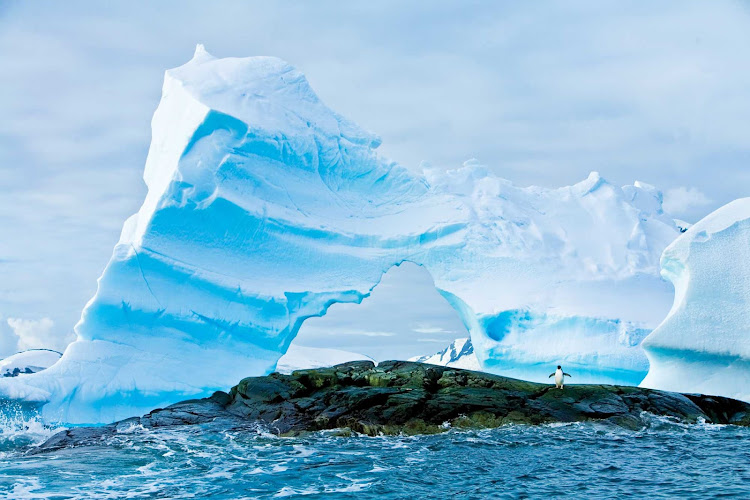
664, 460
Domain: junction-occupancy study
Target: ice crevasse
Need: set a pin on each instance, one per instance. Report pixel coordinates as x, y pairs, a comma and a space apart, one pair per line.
264, 207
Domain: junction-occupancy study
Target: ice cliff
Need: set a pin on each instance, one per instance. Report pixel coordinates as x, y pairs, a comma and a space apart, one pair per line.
703, 345
264, 207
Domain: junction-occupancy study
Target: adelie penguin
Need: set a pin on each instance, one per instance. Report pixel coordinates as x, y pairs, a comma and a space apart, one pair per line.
559, 377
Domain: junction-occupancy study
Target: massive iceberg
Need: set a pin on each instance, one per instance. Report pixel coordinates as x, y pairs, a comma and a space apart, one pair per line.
703, 345
264, 207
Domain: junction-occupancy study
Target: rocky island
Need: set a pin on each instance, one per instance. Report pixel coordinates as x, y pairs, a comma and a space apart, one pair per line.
412, 398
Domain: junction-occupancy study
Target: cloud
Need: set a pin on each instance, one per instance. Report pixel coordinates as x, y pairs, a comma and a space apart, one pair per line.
38, 334
324, 328
364, 333
680, 200
432, 329
542, 96
8, 341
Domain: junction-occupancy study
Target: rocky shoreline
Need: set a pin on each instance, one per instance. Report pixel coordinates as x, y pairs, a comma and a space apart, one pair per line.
411, 398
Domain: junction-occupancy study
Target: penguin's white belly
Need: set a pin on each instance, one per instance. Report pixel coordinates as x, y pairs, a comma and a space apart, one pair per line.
558, 378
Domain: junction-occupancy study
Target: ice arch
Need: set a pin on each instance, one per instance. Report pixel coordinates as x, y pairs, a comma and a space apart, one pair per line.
264, 207
403, 317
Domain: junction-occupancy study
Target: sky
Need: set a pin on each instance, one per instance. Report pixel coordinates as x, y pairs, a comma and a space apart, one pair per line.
540, 92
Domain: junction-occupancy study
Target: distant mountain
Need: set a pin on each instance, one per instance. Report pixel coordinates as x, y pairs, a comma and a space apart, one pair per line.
460, 354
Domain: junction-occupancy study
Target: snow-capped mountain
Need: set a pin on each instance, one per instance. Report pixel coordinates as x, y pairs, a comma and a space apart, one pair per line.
460, 354
264, 207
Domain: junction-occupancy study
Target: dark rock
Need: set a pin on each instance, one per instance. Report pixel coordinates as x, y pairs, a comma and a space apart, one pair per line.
412, 398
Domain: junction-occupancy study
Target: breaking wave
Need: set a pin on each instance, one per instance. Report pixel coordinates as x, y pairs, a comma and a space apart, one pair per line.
662, 460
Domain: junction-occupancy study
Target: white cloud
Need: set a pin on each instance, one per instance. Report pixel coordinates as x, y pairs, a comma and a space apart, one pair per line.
679, 200
364, 333
542, 96
431, 329
320, 329
38, 334
8, 341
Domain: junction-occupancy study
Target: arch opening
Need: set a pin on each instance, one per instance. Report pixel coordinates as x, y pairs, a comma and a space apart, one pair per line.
404, 316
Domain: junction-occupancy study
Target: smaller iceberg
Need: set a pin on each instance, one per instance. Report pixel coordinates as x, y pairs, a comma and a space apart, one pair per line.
703, 345
304, 358
27, 362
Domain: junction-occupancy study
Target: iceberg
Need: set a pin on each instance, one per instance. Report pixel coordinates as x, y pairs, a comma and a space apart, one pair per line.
305, 358
27, 362
265, 207
703, 345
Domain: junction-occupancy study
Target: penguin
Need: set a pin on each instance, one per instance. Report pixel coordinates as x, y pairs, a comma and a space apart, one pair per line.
559, 377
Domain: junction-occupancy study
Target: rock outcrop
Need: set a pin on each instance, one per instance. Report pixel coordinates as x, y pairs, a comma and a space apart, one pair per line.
412, 398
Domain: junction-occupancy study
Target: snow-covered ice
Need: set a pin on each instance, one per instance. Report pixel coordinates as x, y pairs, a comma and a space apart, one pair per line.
303, 358
703, 345
27, 362
264, 207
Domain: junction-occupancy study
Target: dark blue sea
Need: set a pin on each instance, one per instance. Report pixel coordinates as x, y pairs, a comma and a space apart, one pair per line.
663, 460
